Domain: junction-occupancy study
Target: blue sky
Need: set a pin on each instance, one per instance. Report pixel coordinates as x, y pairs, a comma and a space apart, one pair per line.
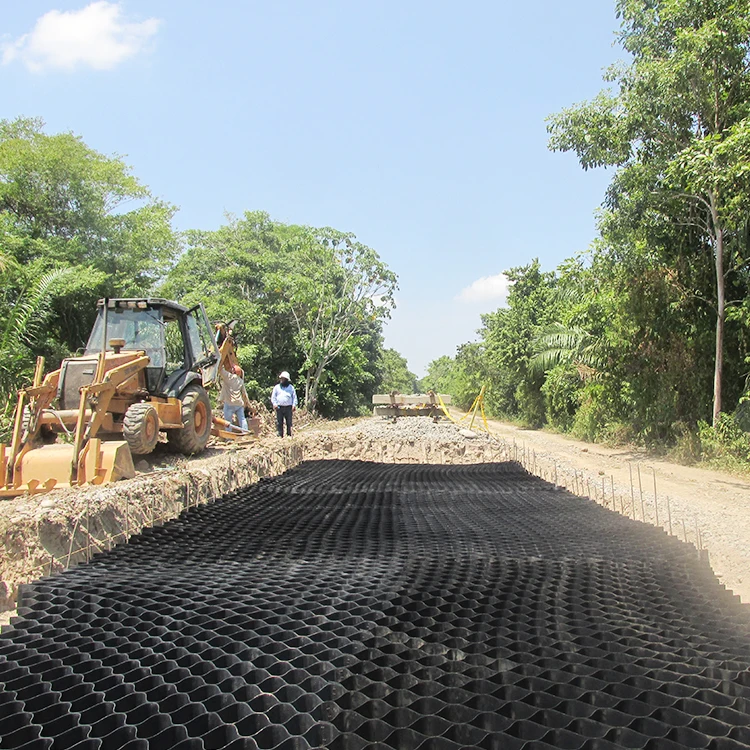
417, 125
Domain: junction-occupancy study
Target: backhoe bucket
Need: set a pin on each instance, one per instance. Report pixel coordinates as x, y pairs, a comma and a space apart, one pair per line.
49, 466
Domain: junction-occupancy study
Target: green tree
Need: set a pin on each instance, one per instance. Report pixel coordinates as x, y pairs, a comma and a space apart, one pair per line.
347, 386
233, 271
63, 204
514, 389
22, 327
677, 130
335, 287
396, 375
309, 301
440, 376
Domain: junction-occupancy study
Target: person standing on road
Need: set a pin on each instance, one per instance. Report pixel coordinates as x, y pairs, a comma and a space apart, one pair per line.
284, 400
234, 395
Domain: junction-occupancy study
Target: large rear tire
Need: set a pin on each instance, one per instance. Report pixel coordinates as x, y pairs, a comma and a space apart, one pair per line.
196, 422
140, 428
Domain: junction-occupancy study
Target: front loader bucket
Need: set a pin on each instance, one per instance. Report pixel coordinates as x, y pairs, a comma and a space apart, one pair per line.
49, 466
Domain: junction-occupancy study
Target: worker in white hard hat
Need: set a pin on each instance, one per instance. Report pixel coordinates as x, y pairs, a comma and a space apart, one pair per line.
284, 400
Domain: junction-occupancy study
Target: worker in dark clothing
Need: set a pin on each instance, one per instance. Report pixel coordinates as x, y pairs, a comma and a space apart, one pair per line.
284, 401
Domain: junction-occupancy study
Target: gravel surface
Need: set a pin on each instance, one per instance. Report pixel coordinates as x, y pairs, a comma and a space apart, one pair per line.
414, 428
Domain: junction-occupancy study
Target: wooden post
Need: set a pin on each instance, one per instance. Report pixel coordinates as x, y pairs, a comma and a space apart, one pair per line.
656, 499
612, 485
604, 499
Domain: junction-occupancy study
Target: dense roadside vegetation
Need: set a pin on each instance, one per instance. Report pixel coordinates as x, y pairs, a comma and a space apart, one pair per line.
646, 337
76, 225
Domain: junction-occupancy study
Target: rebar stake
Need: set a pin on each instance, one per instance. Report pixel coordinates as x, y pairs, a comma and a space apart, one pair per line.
88, 529
640, 489
669, 515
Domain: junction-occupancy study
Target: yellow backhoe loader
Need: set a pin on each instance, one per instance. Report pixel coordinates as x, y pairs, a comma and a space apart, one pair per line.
145, 369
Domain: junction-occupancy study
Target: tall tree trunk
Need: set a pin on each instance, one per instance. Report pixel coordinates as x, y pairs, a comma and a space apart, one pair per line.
311, 387
720, 307
720, 314
308, 388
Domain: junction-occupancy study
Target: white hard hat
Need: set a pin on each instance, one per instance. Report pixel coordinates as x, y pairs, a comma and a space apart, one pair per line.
285, 374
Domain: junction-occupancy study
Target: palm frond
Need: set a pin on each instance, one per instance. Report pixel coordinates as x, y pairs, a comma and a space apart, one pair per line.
558, 344
26, 320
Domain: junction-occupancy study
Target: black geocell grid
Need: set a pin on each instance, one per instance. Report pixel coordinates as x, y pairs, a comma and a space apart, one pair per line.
348, 605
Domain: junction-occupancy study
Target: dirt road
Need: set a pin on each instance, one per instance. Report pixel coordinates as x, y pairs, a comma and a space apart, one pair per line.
717, 503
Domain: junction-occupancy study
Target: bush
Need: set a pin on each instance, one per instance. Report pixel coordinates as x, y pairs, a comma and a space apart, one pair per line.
617, 433
596, 413
687, 444
530, 404
726, 439
562, 396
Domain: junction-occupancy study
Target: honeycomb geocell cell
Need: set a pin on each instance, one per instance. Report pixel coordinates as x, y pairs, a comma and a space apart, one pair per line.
351, 605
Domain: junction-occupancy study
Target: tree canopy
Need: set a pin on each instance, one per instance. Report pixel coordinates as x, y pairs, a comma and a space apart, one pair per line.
677, 129
646, 336
307, 299
77, 225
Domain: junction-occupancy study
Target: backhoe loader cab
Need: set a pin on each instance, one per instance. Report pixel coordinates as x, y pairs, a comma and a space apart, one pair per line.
145, 370
177, 340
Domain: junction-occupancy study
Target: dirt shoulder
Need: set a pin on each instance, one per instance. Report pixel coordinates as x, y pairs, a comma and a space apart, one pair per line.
718, 503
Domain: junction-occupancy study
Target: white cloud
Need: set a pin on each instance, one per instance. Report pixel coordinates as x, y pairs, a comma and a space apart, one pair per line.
96, 36
486, 289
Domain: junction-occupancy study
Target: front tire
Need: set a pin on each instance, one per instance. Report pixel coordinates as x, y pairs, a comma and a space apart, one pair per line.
196, 422
140, 428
